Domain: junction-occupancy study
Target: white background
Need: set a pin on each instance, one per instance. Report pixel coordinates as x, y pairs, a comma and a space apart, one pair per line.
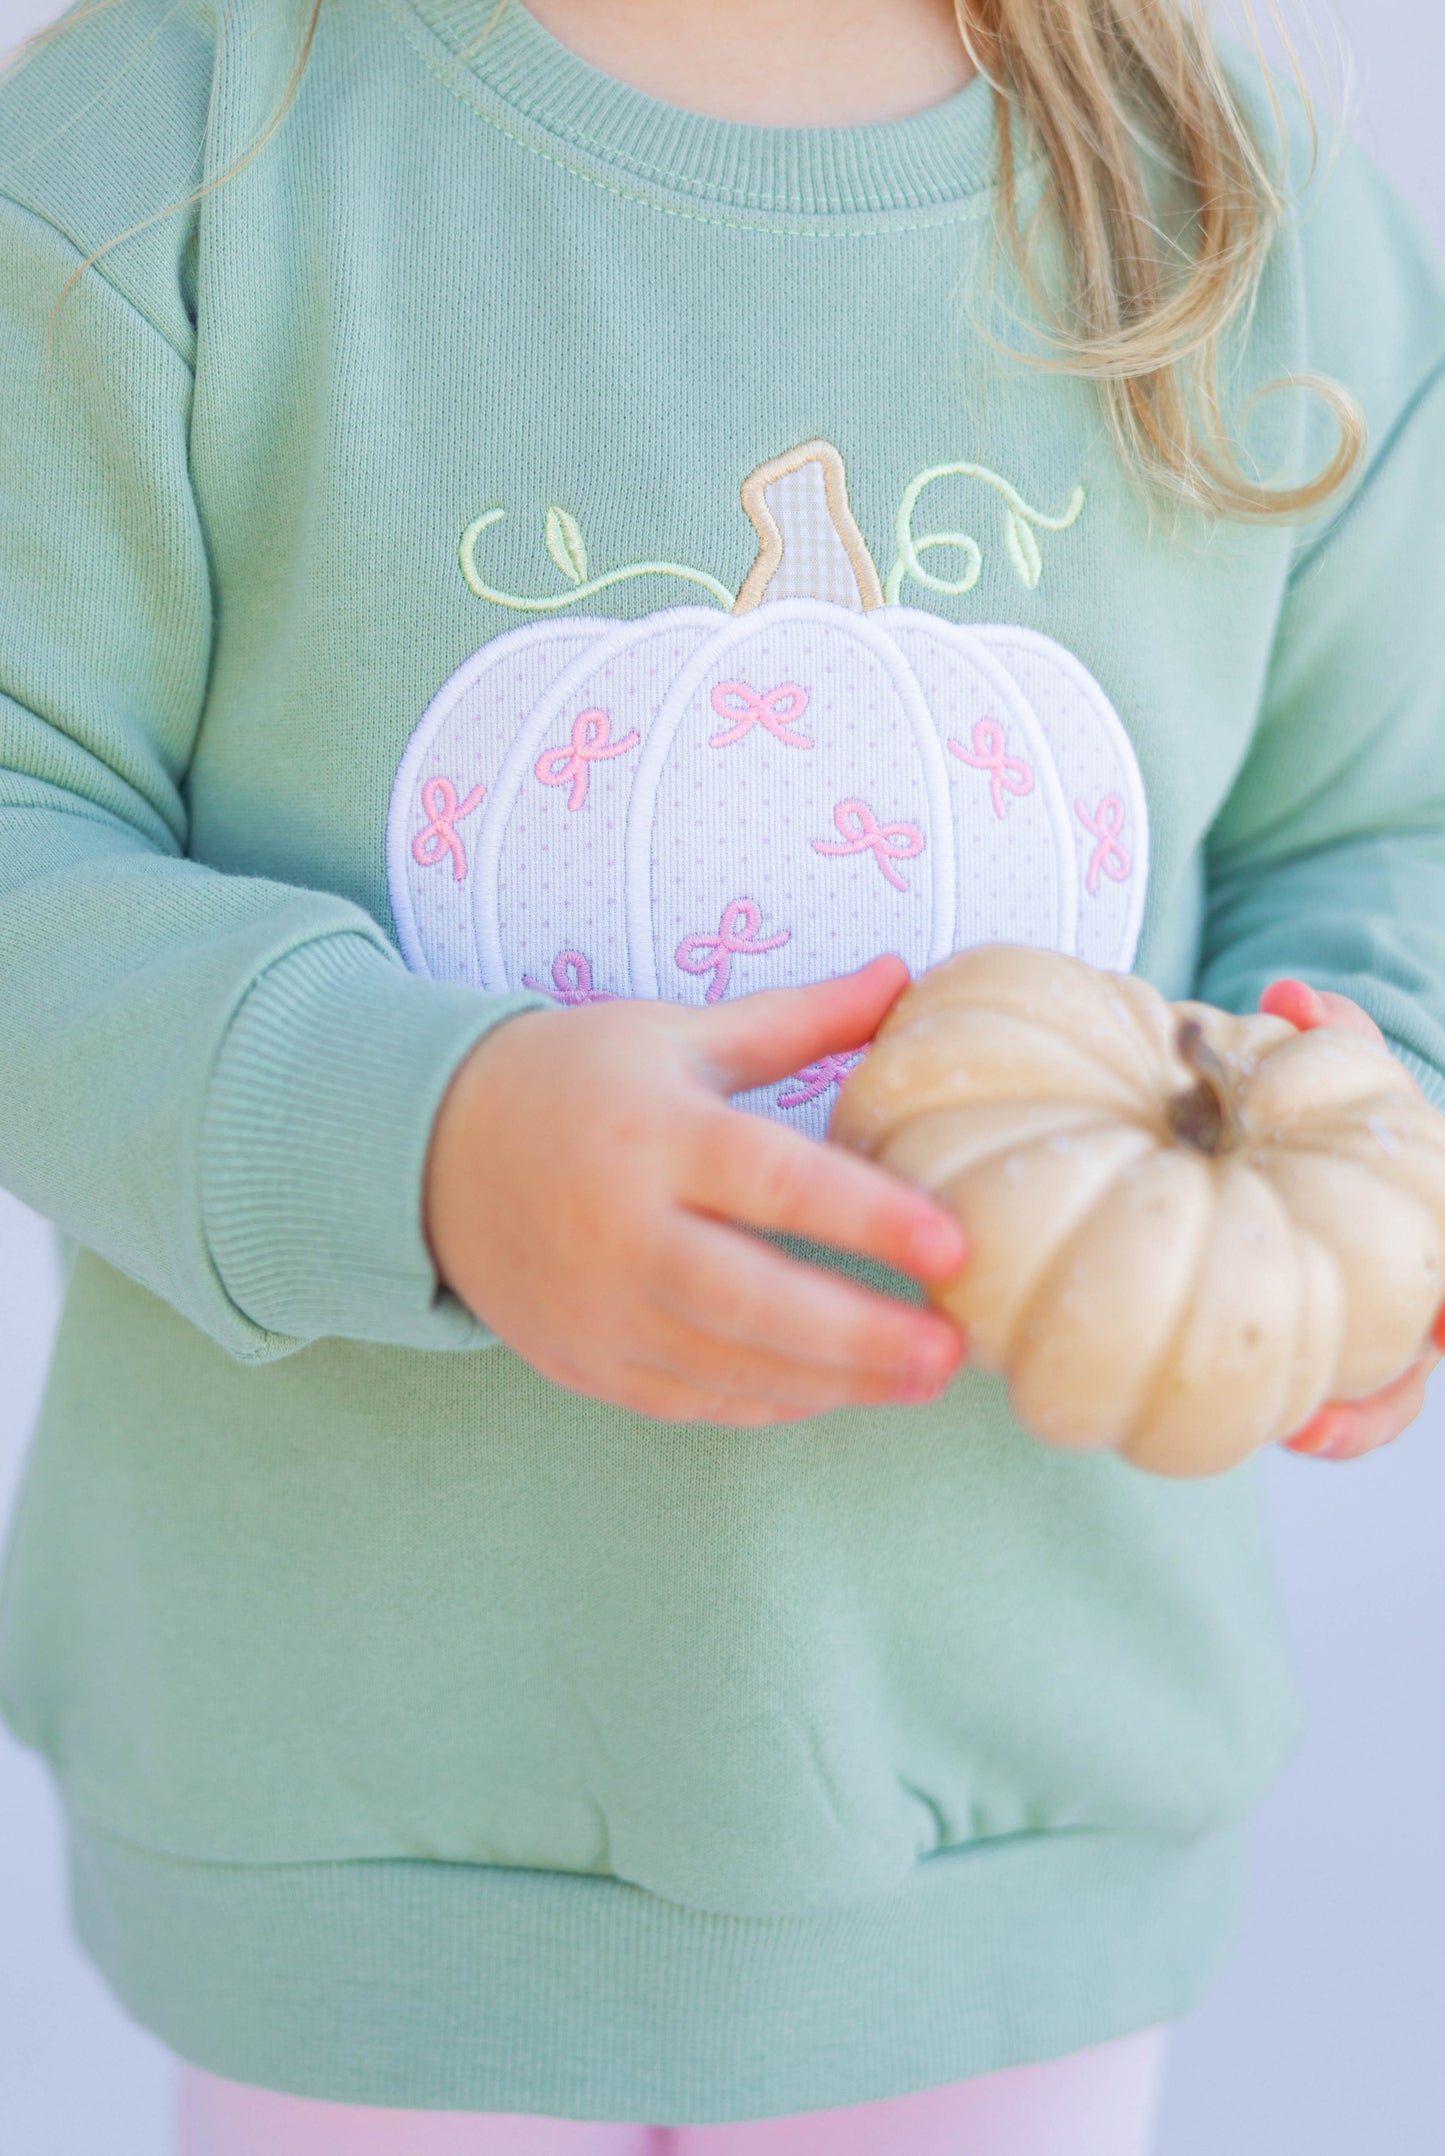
1325, 2037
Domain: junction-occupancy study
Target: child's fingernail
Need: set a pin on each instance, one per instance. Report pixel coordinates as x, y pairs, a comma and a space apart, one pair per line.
922, 1392
931, 1371
1331, 1441
937, 1246
1314, 1434
923, 1378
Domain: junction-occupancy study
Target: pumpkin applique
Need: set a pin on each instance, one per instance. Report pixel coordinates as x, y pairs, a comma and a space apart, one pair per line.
693, 805
1188, 1230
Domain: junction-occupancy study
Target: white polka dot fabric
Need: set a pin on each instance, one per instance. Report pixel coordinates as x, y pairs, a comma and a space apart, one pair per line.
551, 853
451, 760
1102, 786
697, 805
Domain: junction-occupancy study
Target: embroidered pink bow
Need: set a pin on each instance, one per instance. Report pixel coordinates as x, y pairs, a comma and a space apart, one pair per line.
591, 741
571, 981
736, 701
1109, 858
1006, 774
737, 932
817, 1077
861, 830
439, 839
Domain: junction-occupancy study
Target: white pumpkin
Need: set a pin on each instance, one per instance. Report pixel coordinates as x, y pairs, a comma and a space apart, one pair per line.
1189, 1230
692, 805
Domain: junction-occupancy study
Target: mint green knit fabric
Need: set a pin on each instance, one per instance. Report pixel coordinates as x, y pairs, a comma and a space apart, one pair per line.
429, 1735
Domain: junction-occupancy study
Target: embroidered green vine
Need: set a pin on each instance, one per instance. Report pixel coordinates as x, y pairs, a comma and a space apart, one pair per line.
563, 538
1020, 544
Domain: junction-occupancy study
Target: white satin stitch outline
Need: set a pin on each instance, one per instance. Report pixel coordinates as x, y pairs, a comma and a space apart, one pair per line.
1044, 770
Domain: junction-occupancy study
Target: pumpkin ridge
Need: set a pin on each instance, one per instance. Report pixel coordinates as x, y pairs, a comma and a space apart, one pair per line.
1312, 1256
1323, 1126
1181, 1303
1221, 1169
873, 1126
1401, 1178
1062, 1123
1338, 1228
1032, 1031
1402, 1168
1264, 1154
1059, 1253
946, 993
1146, 1402
1347, 1072
1309, 1253
1042, 1140
1156, 1044
1063, 1257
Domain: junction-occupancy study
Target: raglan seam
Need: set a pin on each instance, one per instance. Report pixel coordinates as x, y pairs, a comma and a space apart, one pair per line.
86, 262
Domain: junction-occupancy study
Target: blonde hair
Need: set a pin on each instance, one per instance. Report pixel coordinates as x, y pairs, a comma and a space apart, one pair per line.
1113, 93
1105, 89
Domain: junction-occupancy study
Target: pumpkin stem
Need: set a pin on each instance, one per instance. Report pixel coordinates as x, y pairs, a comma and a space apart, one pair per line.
1204, 1115
809, 542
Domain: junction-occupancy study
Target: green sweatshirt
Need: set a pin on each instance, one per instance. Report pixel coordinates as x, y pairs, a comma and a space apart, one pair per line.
372, 536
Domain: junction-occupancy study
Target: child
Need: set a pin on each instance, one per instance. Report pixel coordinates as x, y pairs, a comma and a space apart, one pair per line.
551, 556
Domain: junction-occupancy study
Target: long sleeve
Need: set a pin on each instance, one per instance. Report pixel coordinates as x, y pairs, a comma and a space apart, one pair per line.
384, 1689
1328, 859
222, 1085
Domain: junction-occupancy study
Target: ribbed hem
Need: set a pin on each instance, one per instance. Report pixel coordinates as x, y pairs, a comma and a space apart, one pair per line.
315, 1139
433, 1986
933, 159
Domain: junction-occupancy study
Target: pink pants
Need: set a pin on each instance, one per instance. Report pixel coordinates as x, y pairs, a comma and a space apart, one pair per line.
1100, 2102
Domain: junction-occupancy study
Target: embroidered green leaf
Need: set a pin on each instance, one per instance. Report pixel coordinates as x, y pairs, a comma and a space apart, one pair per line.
552, 603
1020, 522
1023, 549
564, 544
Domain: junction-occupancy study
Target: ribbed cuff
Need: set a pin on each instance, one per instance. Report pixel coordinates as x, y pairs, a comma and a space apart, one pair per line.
314, 1146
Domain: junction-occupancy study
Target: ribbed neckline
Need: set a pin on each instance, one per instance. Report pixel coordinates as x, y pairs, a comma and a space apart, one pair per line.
940, 157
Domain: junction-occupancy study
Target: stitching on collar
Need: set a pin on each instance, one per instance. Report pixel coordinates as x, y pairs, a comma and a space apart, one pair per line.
880, 222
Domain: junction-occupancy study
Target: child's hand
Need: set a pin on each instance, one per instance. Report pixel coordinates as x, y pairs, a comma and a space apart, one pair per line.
1347, 1430
583, 1174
